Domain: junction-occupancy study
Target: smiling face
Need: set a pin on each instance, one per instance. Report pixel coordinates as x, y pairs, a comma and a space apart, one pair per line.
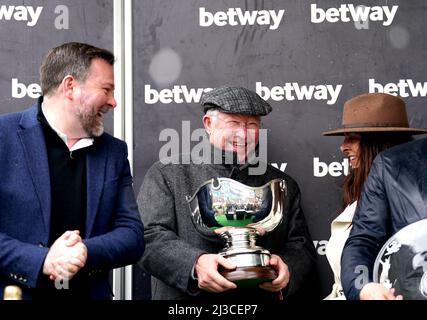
95, 97
350, 147
234, 132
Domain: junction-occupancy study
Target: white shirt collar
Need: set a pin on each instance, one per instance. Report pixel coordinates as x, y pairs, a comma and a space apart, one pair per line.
80, 144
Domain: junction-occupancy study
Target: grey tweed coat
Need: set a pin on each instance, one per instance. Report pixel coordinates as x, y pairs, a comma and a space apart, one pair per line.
173, 244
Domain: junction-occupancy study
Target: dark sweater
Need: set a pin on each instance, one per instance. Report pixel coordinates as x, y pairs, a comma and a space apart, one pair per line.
68, 202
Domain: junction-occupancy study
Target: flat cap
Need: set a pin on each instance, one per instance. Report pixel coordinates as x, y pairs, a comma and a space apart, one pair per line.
235, 100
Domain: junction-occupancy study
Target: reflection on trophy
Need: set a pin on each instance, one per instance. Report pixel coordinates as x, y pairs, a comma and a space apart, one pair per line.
245, 212
402, 262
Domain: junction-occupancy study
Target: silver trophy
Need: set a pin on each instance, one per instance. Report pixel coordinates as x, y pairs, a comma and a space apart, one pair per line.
402, 262
242, 213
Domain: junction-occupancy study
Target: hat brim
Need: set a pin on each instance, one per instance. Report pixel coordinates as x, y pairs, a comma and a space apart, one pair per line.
343, 131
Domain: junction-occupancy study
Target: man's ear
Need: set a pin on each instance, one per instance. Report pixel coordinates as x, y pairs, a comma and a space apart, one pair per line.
68, 86
207, 122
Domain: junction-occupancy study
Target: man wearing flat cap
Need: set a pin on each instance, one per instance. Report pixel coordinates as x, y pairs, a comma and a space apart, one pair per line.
185, 265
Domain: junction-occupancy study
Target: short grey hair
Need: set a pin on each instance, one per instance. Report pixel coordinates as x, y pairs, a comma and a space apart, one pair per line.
213, 112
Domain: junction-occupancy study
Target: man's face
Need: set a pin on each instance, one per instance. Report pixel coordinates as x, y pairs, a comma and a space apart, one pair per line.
96, 97
238, 133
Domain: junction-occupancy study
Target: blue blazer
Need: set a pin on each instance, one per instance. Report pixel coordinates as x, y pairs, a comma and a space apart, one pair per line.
114, 232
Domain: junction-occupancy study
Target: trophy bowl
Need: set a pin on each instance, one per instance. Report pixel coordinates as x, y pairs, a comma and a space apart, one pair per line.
239, 214
402, 262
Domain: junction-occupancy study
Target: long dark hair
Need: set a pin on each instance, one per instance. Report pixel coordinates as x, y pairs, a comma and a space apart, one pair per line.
370, 145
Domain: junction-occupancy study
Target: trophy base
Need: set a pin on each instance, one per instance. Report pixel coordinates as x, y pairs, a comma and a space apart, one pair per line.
249, 277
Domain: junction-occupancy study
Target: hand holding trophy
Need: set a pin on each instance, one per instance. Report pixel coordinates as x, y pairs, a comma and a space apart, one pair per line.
238, 214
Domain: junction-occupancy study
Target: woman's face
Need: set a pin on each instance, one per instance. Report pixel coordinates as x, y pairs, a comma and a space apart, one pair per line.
350, 147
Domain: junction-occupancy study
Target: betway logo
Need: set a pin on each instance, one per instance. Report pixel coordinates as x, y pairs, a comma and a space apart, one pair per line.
179, 94
292, 90
235, 16
347, 13
334, 169
20, 90
404, 88
21, 13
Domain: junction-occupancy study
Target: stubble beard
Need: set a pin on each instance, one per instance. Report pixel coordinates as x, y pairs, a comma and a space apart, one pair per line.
90, 121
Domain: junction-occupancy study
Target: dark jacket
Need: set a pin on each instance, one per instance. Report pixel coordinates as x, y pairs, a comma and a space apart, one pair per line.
394, 195
173, 244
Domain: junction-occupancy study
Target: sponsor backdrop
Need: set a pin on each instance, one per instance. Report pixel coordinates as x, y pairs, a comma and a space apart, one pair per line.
28, 29
304, 57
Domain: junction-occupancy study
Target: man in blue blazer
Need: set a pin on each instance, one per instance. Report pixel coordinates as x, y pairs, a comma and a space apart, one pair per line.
68, 213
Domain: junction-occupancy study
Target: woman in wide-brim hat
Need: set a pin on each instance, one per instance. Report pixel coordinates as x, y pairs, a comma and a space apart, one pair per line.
371, 123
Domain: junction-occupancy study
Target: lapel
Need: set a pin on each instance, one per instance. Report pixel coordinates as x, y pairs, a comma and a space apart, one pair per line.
32, 139
345, 219
95, 162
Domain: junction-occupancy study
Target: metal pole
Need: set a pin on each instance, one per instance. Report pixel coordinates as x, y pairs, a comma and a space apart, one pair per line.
123, 113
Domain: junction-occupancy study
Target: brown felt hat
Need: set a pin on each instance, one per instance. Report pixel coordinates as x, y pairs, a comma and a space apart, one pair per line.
374, 112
